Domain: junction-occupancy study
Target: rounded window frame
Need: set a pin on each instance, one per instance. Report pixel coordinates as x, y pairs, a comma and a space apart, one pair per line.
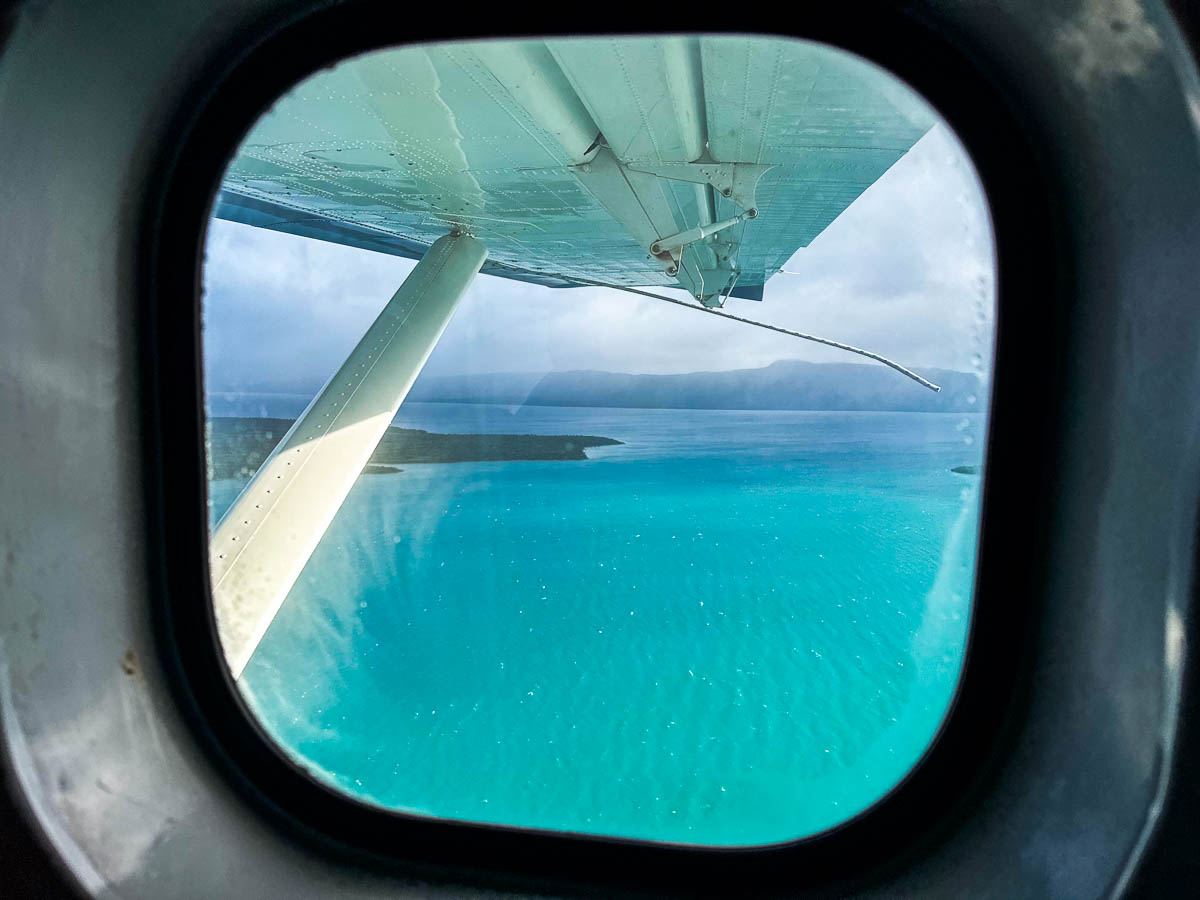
248, 81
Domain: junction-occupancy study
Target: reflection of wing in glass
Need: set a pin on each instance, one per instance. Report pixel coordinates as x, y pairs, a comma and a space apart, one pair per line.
571, 159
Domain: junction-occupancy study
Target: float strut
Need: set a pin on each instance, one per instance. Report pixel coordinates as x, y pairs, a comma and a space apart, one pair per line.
262, 543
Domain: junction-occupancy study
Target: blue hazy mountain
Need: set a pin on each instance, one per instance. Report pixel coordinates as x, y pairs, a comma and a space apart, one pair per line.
785, 384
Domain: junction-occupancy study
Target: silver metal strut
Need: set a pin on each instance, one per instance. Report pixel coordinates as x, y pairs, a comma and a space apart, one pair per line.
262, 543
676, 241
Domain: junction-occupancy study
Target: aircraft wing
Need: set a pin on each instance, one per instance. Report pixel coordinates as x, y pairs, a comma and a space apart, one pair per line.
701, 163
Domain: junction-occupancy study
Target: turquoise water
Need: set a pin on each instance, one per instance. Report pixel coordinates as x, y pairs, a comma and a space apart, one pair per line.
737, 628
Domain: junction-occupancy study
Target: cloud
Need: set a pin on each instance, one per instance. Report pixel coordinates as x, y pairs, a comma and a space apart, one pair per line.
907, 271
286, 310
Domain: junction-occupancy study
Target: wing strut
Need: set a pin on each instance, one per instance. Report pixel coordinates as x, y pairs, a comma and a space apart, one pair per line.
262, 543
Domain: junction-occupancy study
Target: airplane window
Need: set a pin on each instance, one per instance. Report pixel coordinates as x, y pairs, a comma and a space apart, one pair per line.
596, 431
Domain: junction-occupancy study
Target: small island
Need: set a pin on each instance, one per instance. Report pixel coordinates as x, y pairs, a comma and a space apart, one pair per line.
238, 446
966, 470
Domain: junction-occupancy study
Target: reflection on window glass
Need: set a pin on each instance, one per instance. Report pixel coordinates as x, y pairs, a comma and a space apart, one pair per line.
612, 564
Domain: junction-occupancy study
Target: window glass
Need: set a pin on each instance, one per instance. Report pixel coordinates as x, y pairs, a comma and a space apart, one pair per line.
617, 564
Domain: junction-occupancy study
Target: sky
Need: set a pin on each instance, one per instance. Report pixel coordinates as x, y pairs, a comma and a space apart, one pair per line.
907, 271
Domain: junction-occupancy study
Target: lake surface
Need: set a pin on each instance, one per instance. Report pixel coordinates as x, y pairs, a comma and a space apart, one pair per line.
736, 628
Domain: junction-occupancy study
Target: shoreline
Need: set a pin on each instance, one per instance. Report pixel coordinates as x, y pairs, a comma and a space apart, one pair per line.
238, 445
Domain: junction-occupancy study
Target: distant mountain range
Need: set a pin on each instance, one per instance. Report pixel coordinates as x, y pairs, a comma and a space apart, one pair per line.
786, 384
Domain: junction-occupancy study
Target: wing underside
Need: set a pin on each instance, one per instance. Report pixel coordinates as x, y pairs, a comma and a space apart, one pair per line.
701, 163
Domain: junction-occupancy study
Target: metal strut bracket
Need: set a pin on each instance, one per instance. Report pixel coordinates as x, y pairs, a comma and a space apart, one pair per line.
734, 181
678, 241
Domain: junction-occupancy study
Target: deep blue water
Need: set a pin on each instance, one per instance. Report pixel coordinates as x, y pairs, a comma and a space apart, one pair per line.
736, 628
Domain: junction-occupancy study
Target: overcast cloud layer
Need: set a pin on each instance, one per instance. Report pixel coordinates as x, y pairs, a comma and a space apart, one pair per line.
907, 271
